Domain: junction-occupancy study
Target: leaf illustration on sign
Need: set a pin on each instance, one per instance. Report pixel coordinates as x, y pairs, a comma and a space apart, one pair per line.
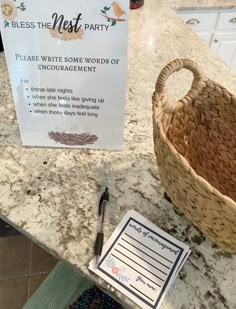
6, 23
75, 139
10, 10
117, 11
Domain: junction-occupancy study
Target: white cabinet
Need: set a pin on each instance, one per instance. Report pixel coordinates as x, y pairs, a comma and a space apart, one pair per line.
224, 45
202, 23
227, 20
217, 29
199, 21
206, 36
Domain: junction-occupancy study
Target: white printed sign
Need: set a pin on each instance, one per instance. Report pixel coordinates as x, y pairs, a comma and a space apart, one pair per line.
67, 62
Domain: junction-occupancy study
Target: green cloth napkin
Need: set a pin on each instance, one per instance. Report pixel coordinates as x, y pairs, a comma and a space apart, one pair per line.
62, 286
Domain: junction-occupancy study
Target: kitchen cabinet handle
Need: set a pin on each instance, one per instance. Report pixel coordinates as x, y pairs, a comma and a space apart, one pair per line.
232, 20
193, 21
216, 41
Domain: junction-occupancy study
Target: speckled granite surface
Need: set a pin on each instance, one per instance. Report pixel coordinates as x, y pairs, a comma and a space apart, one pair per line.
201, 4
51, 194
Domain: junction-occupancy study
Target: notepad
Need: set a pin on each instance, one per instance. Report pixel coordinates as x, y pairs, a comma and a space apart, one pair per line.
141, 260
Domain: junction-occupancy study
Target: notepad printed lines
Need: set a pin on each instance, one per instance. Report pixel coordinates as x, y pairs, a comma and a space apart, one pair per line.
148, 269
146, 234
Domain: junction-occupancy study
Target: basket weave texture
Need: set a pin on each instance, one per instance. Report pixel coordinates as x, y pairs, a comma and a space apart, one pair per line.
195, 146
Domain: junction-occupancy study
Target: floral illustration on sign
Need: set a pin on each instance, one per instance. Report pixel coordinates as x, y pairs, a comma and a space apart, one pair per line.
75, 139
10, 9
118, 272
118, 13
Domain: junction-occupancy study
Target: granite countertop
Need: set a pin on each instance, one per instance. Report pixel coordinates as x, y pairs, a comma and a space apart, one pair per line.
201, 4
51, 195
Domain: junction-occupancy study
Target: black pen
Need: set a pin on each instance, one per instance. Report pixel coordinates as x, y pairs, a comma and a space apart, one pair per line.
100, 235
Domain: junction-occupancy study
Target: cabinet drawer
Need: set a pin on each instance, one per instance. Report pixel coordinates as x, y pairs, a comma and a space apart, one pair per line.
199, 21
206, 36
227, 20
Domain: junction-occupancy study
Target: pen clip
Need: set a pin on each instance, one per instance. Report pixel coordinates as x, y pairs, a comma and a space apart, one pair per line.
104, 197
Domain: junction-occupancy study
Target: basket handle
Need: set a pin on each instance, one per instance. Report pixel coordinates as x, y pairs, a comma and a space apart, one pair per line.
177, 65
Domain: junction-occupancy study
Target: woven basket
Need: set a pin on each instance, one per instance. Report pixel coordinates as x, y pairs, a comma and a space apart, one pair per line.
195, 146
